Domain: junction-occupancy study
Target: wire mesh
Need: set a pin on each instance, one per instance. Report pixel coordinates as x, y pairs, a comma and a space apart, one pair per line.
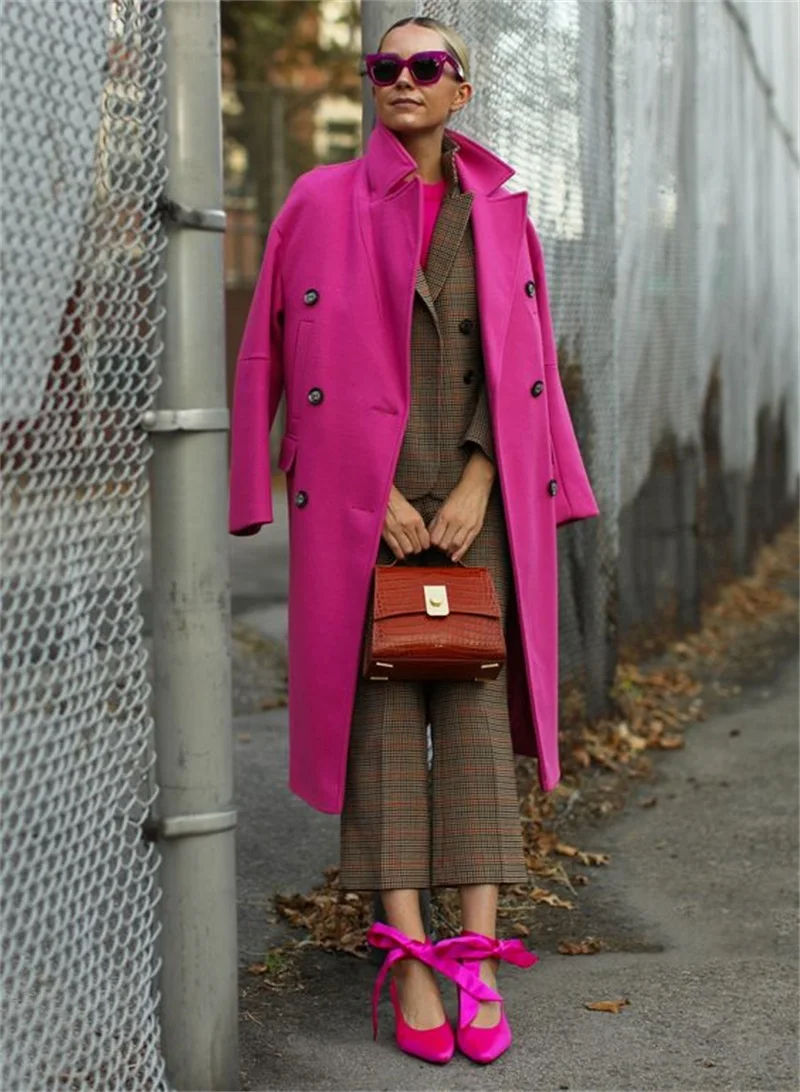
83, 162
658, 144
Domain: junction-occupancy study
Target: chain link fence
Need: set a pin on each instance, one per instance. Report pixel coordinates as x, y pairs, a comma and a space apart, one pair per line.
83, 160
658, 144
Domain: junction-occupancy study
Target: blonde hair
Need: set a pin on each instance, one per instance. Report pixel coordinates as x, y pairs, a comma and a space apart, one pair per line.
451, 38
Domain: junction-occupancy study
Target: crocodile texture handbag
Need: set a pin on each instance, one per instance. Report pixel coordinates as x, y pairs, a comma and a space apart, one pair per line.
433, 622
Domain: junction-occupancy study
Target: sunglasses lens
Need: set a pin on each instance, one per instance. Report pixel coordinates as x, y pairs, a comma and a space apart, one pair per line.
426, 69
385, 71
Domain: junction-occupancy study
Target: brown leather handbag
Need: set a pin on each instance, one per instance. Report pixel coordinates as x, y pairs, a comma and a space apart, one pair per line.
433, 622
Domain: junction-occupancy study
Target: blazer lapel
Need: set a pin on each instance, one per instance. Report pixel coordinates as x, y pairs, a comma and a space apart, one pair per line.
451, 223
450, 226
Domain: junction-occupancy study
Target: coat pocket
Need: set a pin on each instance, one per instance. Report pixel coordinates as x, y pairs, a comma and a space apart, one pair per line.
303, 345
287, 452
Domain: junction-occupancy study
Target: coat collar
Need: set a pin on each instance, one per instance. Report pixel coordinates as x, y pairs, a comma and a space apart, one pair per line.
388, 162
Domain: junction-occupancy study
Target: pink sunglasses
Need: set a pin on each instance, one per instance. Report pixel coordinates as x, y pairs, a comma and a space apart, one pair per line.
426, 67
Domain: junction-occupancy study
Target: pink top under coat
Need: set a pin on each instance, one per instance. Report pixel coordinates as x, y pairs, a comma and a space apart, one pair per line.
432, 197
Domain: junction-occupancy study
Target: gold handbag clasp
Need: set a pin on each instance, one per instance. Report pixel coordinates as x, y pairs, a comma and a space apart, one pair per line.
436, 603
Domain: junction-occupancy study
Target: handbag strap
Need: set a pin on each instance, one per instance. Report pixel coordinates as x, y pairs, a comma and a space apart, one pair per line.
395, 560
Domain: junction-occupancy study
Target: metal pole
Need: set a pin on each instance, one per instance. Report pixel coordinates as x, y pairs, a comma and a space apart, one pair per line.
194, 818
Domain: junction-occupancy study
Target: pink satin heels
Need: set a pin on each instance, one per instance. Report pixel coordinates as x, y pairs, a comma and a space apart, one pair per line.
482, 1045
432, 1044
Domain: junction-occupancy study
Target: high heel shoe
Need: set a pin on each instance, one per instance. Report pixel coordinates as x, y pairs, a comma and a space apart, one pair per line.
482, 1045
431, 1044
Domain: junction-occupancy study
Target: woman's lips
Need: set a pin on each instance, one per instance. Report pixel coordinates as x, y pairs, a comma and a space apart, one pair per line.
406, 102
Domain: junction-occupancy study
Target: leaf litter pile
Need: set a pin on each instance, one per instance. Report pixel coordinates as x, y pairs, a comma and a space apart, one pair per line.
653, 706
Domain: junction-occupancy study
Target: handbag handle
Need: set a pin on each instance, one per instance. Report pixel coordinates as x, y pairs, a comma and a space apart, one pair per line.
394, 562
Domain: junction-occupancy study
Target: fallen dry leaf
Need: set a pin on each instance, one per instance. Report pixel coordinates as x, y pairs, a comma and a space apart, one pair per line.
588, 946
606, 1006
669, 743
580, 855
538, 894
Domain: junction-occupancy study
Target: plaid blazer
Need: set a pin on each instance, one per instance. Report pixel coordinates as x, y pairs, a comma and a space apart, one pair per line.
449, 410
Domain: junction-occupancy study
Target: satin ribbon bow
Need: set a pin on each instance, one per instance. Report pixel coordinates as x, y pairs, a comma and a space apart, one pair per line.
400, 946
470, 949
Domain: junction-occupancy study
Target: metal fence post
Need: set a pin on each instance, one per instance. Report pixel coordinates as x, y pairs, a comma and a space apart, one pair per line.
194, 818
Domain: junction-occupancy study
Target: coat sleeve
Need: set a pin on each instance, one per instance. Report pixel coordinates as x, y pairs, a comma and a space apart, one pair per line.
575, 499
258, 386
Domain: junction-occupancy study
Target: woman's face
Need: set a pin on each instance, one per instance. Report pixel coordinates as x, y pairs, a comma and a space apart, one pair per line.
433, 103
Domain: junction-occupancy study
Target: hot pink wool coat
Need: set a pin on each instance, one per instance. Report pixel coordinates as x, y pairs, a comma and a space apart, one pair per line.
330, 325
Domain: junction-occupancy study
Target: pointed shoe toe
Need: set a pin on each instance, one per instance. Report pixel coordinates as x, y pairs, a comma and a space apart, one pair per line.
484, 1045
435, 1045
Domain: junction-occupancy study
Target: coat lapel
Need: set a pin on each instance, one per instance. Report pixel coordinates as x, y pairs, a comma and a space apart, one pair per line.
498, 224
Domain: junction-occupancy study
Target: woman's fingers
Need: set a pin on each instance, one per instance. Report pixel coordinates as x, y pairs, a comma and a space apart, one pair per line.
407, 540
402, 539
462, 549
393, 545
453, 537
421, 536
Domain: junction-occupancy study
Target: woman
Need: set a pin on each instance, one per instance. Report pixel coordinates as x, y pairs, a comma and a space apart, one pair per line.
402, 306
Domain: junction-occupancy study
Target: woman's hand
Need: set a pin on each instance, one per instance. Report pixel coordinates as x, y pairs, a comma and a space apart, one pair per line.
458, 522
404, 529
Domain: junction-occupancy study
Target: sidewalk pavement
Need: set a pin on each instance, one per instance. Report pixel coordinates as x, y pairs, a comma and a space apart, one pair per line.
699, 902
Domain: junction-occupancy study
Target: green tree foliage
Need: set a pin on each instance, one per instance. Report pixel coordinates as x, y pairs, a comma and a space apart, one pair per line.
273, 60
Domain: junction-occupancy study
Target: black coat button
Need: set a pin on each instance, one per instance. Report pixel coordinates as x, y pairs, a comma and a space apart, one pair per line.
311, 296
465, 326
537, 388
468, 376
301, 498
530, 287
315, 396
552, 487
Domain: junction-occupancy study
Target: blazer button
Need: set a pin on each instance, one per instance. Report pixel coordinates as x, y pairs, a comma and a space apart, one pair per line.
315, 396
468, 376
465, 326
301, 498
537, 388
552, 487
311, 296
530, 287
